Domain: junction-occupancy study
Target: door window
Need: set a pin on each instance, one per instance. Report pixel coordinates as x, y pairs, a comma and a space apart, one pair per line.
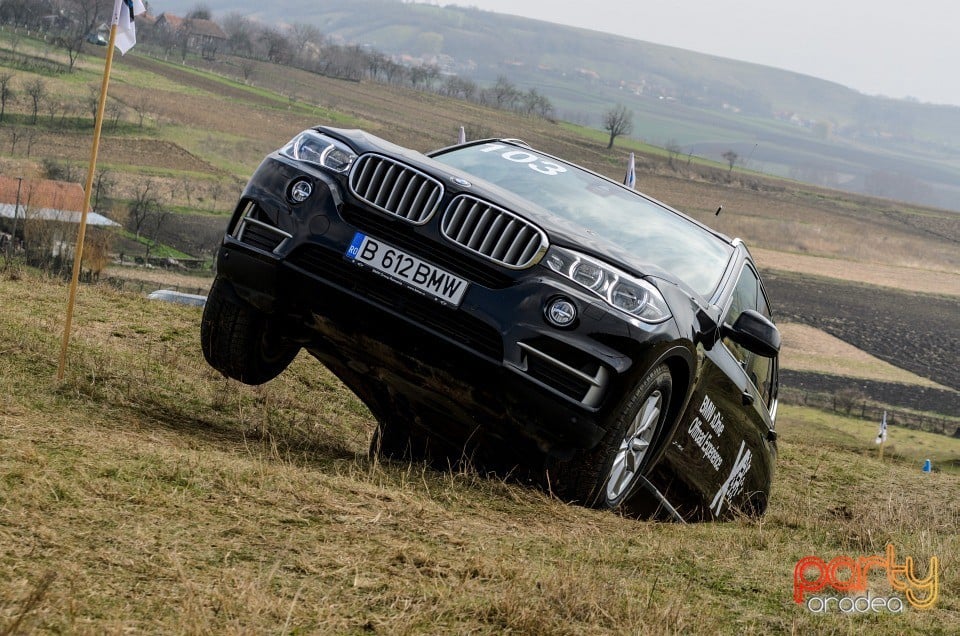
748, 294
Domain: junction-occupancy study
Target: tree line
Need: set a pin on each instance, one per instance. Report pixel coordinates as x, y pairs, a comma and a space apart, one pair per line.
72, 24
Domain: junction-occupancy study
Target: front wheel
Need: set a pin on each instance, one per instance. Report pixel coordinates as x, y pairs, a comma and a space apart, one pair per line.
606, 476
240, 341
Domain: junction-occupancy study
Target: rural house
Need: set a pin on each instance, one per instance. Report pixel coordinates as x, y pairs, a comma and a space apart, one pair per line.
42, 216
200, 36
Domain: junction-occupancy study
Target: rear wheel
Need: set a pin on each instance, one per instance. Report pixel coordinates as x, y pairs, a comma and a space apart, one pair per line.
607, 476
241, 341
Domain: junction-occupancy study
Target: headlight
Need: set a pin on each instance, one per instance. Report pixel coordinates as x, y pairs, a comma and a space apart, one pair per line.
620, 290
312, 147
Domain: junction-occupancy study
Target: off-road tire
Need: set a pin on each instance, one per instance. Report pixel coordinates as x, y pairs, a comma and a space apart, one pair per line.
240, 341
584, 478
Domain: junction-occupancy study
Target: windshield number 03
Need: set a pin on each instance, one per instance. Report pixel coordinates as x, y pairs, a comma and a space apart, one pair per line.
531, 160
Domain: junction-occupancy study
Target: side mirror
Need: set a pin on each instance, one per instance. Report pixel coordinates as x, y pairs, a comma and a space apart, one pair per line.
754, 332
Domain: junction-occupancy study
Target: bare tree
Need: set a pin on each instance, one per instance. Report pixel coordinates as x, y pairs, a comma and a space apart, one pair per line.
731, 159
395, 73
60, 171
421, 76
617, 121
68, 110
458, 87
31, 139
303, 36
82, 17
157, 220
19, 13
200, 12
6, 91
275, 45
505, 94
187, 186
16, 134
216, 191
93, 100
239, 32
114, 113
145, 201
535, 103
37, 90
102, 187
52, 107
376, 63
673, 151
247, 67
167, 39
141, 106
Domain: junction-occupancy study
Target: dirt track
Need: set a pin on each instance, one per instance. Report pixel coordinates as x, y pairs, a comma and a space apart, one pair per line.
906, 396
917, 332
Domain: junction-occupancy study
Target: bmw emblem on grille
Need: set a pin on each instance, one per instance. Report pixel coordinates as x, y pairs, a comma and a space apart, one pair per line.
463, 183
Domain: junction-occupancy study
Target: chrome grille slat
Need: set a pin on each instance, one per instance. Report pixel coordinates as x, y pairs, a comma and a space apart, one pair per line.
493, 232
506, 238
395, 188
483, 225
467, 229
410, 190
528, 252
517, 245
396, 194
386, 187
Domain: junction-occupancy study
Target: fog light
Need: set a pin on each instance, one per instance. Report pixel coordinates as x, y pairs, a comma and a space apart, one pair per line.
561, 312
300, 191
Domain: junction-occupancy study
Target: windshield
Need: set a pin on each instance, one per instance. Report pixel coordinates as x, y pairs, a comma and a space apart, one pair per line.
651, 232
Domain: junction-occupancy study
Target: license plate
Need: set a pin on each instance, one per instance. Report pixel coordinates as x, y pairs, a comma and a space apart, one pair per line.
407, 270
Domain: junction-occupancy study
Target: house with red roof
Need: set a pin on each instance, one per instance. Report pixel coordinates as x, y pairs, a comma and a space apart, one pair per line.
44, 212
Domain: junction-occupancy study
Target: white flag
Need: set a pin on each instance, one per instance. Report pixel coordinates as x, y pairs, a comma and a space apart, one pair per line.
123, 12
882, 433
462, 137
630, 180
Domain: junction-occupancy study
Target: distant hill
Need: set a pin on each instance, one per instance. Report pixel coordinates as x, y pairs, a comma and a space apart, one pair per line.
777, 121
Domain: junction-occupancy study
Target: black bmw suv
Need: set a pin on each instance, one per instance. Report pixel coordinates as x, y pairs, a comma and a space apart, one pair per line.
490, 296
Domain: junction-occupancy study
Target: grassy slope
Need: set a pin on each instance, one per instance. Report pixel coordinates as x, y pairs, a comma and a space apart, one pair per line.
148, 494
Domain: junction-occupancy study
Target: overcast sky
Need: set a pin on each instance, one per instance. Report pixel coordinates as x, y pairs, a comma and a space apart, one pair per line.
879, 47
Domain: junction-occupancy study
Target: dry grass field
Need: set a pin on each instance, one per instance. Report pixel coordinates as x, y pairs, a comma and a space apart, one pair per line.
146, 493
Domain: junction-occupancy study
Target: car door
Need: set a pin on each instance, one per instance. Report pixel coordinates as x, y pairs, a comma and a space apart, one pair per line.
744, 386
721, 457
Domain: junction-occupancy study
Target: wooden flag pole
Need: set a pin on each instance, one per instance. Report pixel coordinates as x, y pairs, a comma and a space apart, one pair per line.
81, 233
